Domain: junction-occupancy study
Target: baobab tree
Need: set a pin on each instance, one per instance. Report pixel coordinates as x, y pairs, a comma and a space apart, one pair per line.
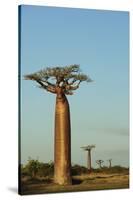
99, 162
61, 81
110, 162
88, 149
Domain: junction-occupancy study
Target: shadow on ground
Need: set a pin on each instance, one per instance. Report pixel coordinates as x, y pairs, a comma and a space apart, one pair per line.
76, 181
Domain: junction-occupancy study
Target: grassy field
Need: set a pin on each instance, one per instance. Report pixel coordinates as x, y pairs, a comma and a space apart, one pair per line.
87, 182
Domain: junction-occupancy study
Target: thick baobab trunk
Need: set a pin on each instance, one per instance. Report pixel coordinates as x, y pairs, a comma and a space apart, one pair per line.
62, 157
89, 160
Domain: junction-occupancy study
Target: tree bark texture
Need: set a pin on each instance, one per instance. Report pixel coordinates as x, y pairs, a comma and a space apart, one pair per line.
89, 160
62, 157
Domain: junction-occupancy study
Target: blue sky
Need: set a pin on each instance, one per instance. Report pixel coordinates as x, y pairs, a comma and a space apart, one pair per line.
98, 41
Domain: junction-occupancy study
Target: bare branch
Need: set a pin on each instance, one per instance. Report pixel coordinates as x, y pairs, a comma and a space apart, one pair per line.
51, 89
68, 78
72, 87
48, 83
99, 161
44, 84
48, 88
68, 92
72, 82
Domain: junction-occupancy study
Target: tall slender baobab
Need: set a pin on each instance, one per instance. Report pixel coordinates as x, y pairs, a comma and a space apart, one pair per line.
99, 162
88, 149
61, 81
110, 162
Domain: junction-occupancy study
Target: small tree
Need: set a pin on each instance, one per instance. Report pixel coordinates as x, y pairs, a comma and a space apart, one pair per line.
99, 162
61, 81
33, 167
110, 163
88, 149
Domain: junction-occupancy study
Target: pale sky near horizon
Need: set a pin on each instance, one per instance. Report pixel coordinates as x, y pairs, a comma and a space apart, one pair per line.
97, 40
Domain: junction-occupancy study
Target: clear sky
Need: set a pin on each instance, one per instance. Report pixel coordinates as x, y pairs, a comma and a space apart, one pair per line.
98, 41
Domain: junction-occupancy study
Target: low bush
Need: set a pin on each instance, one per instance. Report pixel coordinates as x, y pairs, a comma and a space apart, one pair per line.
78, 170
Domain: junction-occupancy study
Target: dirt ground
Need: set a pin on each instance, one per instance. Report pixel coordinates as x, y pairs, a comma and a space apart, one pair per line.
94, 181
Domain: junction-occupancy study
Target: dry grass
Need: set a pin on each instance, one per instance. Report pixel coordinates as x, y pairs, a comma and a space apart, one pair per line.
94, 181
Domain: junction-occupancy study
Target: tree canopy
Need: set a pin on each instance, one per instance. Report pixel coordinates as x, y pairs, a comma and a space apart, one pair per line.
87, 148
67, 78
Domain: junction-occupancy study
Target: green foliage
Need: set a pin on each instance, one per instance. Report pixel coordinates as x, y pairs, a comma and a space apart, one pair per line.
32, 167
35, 168
68, 78
112, 170
67, 72
46, 169
78, 170
118, 169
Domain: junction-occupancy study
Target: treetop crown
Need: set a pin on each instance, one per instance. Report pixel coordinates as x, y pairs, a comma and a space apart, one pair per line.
68, 78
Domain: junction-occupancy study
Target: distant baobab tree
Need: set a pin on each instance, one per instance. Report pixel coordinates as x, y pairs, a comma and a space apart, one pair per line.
110, 162
61, 81
99, 162
88, 149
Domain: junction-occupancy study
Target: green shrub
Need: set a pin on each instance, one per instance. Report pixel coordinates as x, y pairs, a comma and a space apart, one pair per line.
114, 169
35, 168
46, 169
78, 170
